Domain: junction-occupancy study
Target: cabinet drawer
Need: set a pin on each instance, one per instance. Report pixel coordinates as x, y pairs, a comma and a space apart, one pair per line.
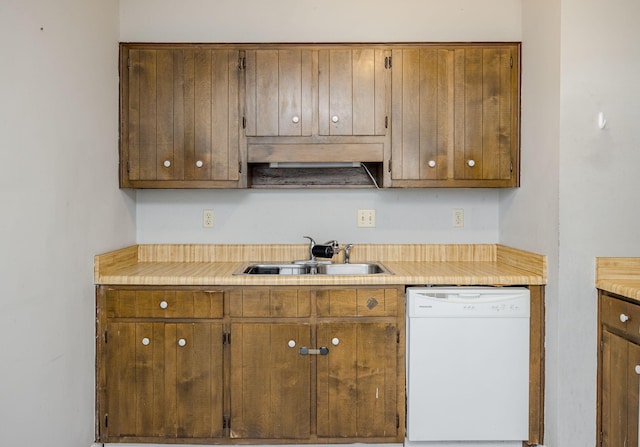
164, 304
268, 302
620, 315
357, 303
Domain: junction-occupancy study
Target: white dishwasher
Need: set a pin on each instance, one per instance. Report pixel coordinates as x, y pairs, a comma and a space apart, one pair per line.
468, 366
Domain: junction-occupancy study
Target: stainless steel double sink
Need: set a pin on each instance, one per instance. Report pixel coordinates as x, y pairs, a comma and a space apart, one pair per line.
268, 268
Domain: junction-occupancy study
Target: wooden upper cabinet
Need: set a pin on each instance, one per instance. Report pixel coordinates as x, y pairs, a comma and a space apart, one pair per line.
279, 98
179, 117
422, 136
352, 86
486, 113
455, 116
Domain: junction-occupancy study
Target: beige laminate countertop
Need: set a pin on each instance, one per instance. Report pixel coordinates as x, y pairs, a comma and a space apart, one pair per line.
189, 264
619, 275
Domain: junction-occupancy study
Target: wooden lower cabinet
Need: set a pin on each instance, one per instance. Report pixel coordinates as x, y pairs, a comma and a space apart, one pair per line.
163, 380
250, 365
619, 372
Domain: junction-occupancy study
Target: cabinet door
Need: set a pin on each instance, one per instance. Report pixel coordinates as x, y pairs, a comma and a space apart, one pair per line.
620, 391
422, 136
179, 115
279, 92
486, 113
352, 90
356, 380
163, 380
270, 383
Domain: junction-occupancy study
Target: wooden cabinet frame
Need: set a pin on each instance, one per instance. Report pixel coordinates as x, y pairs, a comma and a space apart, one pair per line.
369, 320
217, 115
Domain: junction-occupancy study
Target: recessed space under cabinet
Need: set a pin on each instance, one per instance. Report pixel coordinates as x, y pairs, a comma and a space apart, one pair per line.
392, 115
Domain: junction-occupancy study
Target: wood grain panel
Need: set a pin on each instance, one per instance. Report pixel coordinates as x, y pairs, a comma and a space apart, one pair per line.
356, 382
221, 144
164, 114
133, 114
340, 73
148, 114
267, 95
270, 387
615, 357
364, 91
202, 113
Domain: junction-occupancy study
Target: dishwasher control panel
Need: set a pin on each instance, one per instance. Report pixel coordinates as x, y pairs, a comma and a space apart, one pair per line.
437, 302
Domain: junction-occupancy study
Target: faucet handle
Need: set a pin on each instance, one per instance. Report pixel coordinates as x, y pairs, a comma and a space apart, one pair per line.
312, 244
311, 241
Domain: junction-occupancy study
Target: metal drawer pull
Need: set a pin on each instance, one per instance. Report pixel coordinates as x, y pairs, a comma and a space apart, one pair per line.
624, 318
306, 351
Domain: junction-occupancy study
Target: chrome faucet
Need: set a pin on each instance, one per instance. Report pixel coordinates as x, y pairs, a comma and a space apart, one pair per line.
347, 252
312, 244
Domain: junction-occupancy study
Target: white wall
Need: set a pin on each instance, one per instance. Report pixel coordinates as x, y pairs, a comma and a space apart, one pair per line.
529, 217
284, 216
599, 183
59, 207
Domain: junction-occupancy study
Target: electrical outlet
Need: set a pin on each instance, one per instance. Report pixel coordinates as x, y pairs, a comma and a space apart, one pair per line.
366, 218
207, 218
458, 217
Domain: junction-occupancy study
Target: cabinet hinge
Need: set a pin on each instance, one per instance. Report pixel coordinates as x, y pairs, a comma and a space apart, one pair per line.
510, 61
226, 338
106, 420
398, 337
226, 422
389, 165
244, 122
240, 167
242, 63
386, 122
106, 337
128, 63
128, 167
387, 62
511, 166
397, 421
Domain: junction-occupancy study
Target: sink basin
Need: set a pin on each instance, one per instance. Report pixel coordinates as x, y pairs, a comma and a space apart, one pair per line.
267, 268
351, 269
276, 269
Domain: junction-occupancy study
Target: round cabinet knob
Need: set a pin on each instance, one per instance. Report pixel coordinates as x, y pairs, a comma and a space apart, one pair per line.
163, 304
145, 341
295, 119
335, 119
471, 163
199, 164
166, 163
637, 369
432, 163
335, 341
292, 343
182, 342
624, 318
